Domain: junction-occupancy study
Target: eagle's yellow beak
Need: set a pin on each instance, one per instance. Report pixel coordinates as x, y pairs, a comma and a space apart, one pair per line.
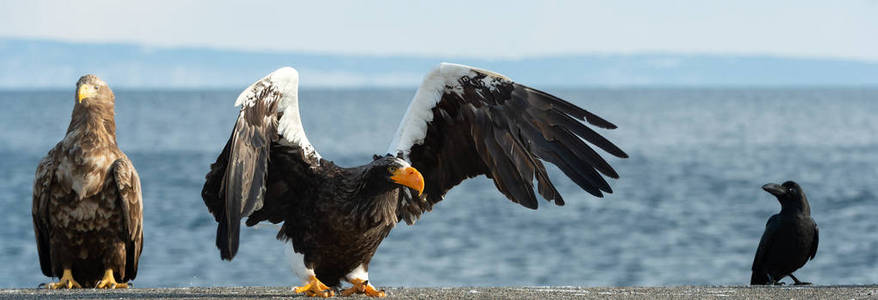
409, 177
85, 91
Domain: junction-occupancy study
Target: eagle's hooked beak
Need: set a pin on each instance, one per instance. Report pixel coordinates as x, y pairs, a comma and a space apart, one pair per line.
85, 91
409, 177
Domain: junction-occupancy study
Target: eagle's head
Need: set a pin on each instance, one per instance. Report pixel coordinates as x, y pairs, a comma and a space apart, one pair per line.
91, 90
392, 172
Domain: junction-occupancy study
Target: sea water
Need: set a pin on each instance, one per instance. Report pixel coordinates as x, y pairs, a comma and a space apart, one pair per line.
687, 210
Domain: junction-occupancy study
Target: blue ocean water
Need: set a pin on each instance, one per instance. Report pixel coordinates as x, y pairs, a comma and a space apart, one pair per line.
688, 209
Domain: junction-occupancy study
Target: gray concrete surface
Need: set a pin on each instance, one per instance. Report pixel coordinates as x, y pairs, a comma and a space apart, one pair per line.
686, 292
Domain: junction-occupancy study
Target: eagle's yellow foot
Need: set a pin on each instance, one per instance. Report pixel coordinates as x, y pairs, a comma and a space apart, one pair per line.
315, 288
66, 282
109, 282
362, 287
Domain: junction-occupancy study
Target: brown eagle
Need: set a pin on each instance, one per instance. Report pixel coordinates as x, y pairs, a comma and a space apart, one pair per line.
87, 206
462, 122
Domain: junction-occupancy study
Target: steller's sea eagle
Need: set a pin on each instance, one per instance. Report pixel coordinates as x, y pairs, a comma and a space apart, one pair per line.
87, 205
463, 122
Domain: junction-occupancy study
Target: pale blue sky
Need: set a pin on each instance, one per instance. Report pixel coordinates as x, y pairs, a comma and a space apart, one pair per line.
486, 29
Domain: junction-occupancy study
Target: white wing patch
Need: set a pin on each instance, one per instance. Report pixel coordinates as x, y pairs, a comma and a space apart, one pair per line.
413, 127
285, 82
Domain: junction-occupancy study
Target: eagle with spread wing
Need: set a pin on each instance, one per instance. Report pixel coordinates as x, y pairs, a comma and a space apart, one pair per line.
462, 122
87, 204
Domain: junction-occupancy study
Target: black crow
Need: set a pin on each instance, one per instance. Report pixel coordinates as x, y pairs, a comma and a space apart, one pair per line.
790, 237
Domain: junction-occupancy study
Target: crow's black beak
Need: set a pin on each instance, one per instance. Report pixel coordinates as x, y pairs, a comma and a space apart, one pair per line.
774, 189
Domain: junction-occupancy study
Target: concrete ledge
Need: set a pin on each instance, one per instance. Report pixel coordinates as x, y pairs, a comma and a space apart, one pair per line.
686, 292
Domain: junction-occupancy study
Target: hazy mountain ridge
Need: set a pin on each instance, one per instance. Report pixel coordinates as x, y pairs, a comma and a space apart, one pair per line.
30, 64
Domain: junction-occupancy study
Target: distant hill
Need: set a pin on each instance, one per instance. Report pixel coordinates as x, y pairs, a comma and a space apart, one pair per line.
26, 64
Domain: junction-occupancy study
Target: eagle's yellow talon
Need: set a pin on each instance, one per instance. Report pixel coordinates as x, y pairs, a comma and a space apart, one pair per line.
315, 288
66, 282
109, 282
362, 287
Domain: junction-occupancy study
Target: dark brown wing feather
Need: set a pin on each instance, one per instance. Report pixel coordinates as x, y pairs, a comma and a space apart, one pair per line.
236, 180
290, 177
131, 204
486, 124
212, 192
42, 193
236, 184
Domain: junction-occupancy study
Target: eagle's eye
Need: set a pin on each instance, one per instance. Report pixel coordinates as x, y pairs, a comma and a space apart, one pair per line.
391, 169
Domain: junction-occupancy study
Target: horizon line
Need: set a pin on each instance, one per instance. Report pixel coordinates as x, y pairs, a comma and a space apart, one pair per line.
267, 51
